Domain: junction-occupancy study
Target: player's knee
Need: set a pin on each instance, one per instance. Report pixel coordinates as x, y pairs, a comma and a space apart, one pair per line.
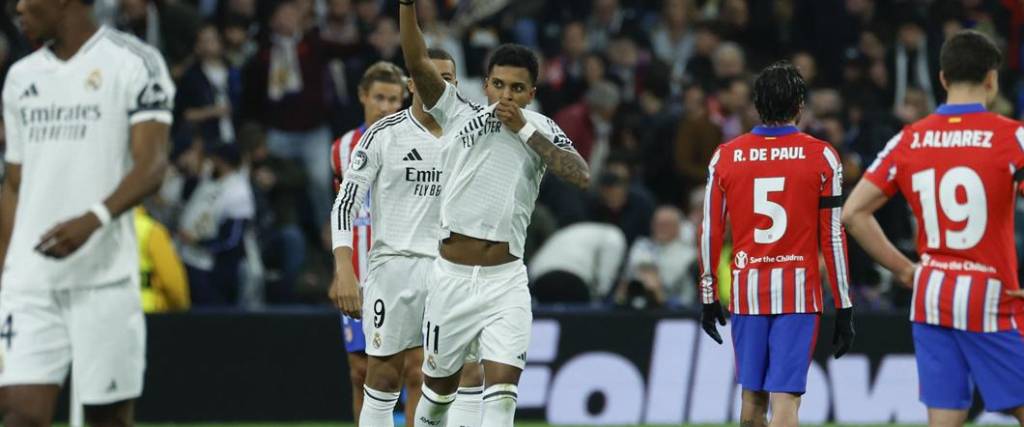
471, 376
443, 386
22, 417
116, 415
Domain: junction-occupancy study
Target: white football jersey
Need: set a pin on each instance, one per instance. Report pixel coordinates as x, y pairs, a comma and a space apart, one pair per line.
398, 157
493, 177
68, 125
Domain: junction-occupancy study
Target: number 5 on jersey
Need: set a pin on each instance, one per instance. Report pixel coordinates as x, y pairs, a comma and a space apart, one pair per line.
762, 188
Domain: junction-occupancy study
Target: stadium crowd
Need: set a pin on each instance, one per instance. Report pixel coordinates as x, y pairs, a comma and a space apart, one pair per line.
646, 90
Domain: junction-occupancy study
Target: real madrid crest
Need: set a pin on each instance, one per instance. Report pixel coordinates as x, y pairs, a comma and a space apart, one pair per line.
95, 80
431, 362
376, 340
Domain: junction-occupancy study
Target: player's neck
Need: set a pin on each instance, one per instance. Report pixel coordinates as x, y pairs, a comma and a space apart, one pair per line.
425, 119
72, 34
967, 94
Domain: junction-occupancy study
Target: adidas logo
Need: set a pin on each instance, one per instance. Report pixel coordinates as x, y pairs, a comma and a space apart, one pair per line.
412, 156
30, 92
112, 387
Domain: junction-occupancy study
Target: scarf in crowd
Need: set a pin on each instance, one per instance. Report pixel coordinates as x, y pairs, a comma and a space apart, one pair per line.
285, 74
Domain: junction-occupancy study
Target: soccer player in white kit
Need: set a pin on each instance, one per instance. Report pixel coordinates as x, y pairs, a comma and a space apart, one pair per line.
494, 159
87, 118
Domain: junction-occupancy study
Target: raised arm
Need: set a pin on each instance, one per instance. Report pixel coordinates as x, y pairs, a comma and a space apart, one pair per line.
429, 84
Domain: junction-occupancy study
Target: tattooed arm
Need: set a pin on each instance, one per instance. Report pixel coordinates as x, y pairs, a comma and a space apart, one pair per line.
564, 162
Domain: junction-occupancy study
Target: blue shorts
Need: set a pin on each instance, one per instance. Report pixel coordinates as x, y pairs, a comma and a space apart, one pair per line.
352, 332
950, 363
773, 353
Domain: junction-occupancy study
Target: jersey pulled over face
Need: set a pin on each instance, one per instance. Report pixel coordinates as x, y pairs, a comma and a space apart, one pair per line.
959, 170
68, 125
780, 190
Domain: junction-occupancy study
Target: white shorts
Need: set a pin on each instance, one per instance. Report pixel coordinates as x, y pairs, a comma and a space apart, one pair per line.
393, 304
467, 305
101, 331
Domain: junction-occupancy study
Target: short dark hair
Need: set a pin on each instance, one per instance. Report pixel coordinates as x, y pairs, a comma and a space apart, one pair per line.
441, 55
382, 72
779, 93
968, 56
515, 55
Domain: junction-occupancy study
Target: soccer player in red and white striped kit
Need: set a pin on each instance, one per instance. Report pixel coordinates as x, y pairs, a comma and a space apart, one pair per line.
782, 192
960, 169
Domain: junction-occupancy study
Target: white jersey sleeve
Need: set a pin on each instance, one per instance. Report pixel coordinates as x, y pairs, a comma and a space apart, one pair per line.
550, 130
148, 88
360, 173
14, 152
451, 107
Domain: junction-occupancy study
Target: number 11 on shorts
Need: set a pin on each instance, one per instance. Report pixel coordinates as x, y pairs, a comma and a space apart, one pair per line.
426, 341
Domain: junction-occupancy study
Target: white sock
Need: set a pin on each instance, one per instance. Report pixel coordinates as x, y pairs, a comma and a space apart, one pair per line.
465, 411
432, 408
499, 408
378, 408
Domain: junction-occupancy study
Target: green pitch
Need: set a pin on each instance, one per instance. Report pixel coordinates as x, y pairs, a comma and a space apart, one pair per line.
353, 425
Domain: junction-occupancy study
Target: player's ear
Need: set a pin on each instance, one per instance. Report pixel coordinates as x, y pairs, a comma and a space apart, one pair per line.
412, 87
942, 79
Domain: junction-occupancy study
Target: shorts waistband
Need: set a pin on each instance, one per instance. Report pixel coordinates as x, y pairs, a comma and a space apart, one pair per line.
478, 271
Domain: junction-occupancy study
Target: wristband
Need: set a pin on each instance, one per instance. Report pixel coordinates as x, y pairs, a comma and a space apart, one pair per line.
102, 213
527, 131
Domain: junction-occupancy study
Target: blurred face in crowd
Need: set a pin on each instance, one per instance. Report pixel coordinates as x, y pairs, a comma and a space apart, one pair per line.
872, 46
677, 13
666, 224
385, 36
694, 101
911, 36
736, 13
736, 98
593, 69
381, 99
367, 10
705, 42
133, 10
235, 36
614, 186
604, 10
286, 20
728, 61
574, 40
245, 8
805, 63
511, 84
339, 9
208, 45
40, 18
623, 52
447, 70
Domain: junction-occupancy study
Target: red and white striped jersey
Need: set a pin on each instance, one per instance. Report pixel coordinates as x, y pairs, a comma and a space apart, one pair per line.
780, 190
959, 170
341, 151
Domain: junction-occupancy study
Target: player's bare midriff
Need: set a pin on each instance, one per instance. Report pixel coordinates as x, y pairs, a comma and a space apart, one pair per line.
465, 250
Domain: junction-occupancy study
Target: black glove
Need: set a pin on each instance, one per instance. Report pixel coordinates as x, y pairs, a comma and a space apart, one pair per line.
842, 339
712, 312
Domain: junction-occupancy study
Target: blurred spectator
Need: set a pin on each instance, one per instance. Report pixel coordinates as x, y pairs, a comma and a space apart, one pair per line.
588, 123
239, 43
163, 281
170, 26
696, 141
213, 228
736, 114
367, 11
208, 92
439, 35
579, 263
673, 40
340, 25
807, 66
277, 183
620, 201
284, 90
700, 69
729, 63
385, 41
913, 64
662, 262
564, 77
608, 19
